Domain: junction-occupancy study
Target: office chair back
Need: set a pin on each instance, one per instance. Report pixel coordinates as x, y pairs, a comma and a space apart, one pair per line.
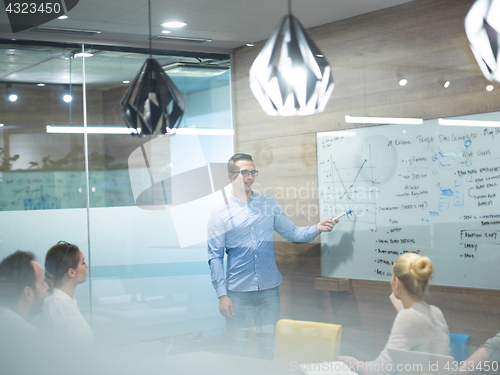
460, 346
306, 342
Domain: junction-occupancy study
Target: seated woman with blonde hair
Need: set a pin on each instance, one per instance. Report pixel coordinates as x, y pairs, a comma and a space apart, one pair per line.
418, 326
61, 319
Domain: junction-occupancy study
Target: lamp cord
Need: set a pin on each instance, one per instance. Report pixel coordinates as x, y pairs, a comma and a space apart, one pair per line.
290, 7
70, 71
150, 47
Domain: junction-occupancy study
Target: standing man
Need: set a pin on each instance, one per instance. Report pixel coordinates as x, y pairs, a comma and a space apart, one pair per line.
243, 228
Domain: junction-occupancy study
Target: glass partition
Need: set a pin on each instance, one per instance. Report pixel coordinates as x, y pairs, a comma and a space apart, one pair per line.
145, 285
42, 178
148, 273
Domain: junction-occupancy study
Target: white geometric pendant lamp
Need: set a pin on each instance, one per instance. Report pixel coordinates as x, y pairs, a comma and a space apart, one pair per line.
290, 76
482, 26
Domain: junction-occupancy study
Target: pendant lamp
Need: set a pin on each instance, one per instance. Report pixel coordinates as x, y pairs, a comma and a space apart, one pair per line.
152, 105
482, 26
290, 76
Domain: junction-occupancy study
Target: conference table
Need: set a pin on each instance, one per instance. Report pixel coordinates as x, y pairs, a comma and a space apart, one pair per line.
205, 363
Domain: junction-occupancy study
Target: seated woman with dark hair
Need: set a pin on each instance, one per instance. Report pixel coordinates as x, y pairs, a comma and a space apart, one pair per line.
418, 326
65, 268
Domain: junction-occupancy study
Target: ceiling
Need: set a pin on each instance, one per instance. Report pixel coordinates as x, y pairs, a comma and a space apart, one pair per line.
227, 23
123, 24
56, 65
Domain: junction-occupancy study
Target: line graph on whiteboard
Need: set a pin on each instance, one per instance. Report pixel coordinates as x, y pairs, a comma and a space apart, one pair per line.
349, 186
346, 188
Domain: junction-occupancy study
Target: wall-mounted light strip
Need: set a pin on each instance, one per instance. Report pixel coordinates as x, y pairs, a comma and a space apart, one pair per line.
383, 120
90, 129
124, 130
193, 131
84, 54
443, 121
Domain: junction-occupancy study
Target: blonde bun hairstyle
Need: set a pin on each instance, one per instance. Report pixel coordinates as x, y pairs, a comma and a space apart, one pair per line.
414, 271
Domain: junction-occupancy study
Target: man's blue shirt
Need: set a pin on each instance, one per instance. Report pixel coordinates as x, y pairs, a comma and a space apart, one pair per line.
245, 232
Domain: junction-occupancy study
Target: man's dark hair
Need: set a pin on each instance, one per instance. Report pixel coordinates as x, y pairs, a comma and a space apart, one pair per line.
16, 273
233, 159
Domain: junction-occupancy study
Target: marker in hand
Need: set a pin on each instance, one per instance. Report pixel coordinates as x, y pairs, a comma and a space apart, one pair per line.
345, 213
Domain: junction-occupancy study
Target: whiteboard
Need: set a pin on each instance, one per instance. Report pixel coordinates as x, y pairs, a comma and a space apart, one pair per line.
429, 189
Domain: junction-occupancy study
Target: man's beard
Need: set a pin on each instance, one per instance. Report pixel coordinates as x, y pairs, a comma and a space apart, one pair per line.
36, 308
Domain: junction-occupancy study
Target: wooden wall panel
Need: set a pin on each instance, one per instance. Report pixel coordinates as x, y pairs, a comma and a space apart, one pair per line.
423, 41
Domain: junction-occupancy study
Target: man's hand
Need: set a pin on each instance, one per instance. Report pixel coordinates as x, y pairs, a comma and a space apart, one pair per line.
479, 359
226, 307
327, 224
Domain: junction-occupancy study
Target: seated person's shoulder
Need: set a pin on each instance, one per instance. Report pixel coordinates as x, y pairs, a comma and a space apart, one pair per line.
53, 303
411, 316
436, 311
407, 314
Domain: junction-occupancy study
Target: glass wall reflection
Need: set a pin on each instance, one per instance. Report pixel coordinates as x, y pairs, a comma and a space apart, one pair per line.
42, 179
148, 273
145, 285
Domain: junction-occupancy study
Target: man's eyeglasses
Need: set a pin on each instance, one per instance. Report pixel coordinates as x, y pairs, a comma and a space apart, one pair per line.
245, 173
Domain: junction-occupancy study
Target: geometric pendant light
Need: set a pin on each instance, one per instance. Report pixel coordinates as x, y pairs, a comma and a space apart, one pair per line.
290, 76
152, 105
482, 26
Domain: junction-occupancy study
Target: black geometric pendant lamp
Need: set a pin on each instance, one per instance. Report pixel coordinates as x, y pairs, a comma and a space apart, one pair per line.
152, 105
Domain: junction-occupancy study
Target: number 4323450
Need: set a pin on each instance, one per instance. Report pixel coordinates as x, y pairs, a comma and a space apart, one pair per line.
33, 8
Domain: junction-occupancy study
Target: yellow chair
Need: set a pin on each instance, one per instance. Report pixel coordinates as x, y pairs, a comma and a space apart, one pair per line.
306, 342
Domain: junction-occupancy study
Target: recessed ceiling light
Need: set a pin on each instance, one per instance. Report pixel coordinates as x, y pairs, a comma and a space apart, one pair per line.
40, 84
403, 82
194, 70
489, 88
446, 84
174, 24
166, 32
126, 81
181, 39
67, 98
12, 97
63, 17
63, 30
250, 44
